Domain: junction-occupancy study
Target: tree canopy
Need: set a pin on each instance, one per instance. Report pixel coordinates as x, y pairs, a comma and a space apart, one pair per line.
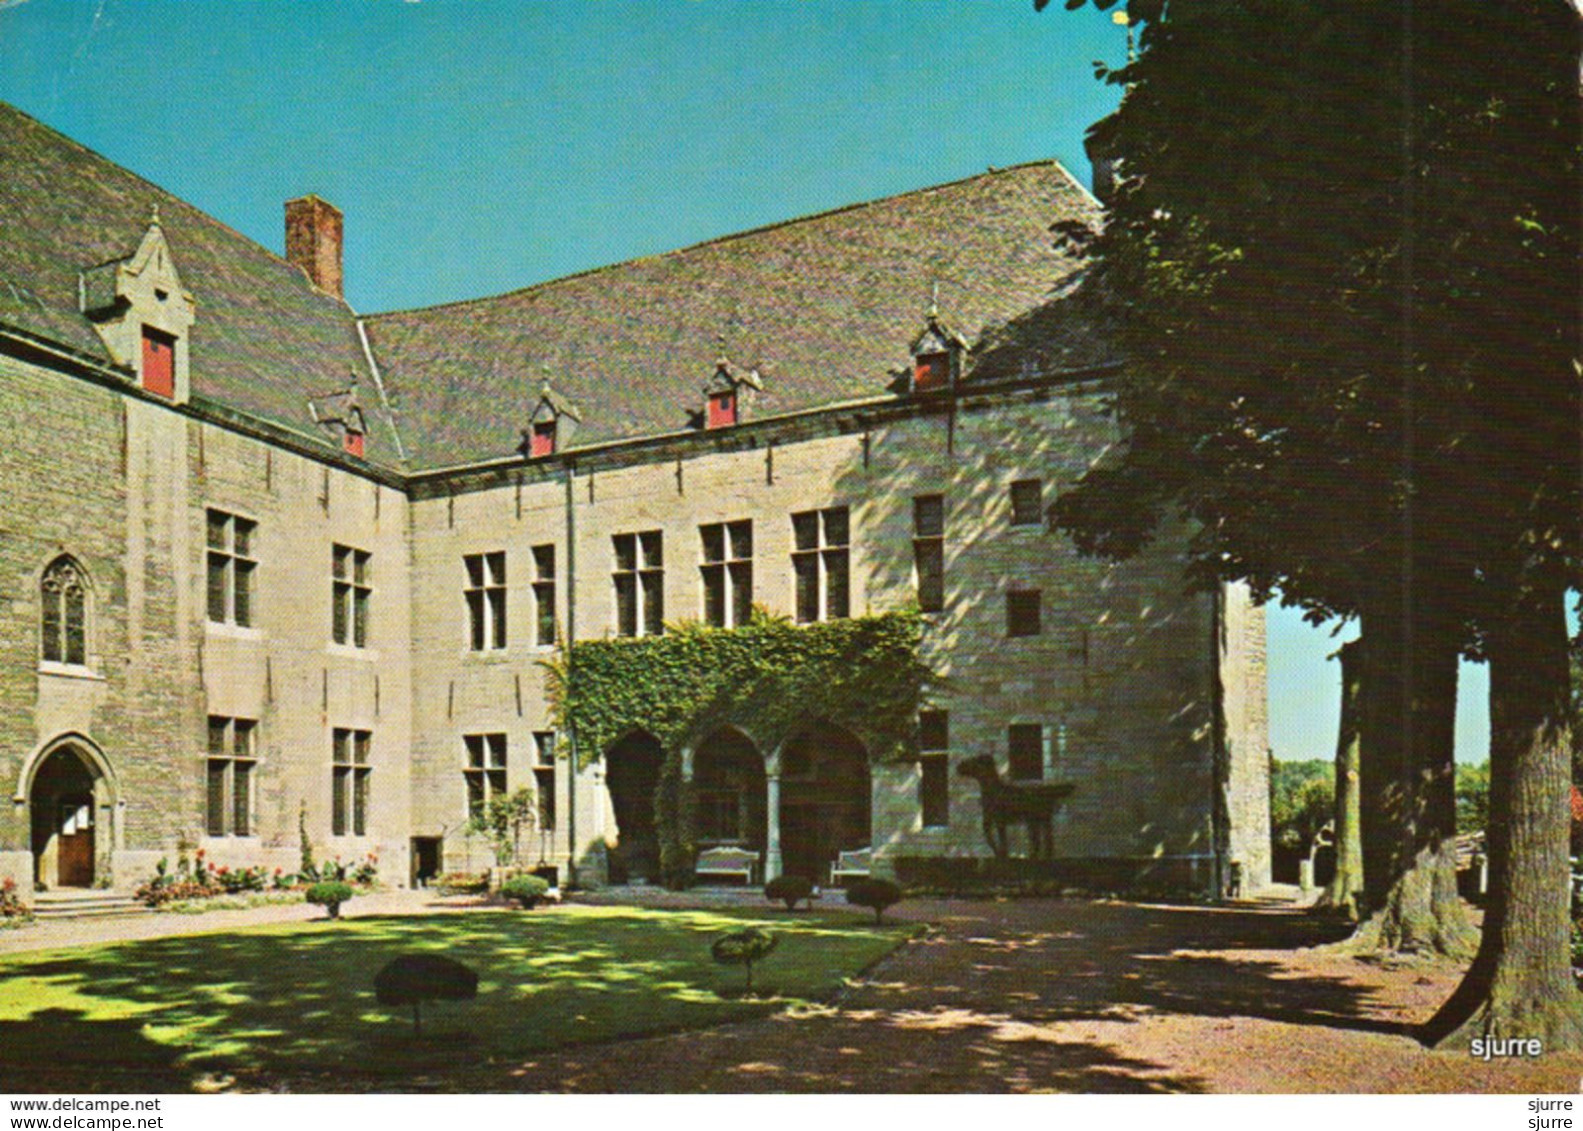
1343, 255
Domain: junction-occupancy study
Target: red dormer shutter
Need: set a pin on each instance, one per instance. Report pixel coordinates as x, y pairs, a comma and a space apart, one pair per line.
722, 409
353, 442
933, 372
159, 362
542, 442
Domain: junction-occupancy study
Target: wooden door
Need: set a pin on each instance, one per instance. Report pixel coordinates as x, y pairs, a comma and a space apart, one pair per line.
75, 868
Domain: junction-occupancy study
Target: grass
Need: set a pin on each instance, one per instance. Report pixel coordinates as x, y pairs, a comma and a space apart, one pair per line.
296, 1000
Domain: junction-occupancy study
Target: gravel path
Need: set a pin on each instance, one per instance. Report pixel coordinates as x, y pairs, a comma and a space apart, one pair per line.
47, 934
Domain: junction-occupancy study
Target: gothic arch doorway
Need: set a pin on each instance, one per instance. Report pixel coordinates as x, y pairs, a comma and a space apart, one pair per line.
826, 800
729, 791
68, 793
632, 778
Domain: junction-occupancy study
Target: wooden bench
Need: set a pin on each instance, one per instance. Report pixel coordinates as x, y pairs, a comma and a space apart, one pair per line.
852, 864
735, 862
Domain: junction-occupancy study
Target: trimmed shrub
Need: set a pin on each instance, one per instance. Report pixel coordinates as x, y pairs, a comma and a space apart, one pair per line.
876, 893
329, 895
744, 948
790, 890
526, 890
412, 979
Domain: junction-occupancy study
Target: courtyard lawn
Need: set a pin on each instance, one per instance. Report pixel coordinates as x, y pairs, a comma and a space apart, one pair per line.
297, 1000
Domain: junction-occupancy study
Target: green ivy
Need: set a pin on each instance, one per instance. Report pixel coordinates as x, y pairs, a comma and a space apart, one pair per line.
768, 678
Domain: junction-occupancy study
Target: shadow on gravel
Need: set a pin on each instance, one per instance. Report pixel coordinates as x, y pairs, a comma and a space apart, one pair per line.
994, 1001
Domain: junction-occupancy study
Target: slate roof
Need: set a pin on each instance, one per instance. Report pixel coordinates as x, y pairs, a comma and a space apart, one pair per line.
264, 341
823, 307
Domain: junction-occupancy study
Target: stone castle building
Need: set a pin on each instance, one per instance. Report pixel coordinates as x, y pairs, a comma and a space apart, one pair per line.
271, 568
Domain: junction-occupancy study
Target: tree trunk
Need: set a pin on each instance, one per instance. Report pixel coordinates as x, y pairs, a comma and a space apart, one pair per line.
1344, 894
1520, 986
1408, 778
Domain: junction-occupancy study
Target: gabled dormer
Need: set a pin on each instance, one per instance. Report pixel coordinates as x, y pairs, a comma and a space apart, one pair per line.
143, 313
340, 415
551, 426
936, 355
724, 399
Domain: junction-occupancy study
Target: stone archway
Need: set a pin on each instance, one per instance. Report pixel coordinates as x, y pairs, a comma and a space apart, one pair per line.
728, 783
825, 799
632, 778
68, 793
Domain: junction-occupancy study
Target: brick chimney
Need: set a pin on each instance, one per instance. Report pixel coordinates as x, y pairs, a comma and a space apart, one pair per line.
313, 241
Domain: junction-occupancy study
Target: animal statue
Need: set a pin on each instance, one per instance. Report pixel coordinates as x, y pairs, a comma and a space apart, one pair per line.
1032, 803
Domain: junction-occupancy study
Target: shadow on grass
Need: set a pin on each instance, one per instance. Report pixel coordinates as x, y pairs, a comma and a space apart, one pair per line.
298, 999
123, 1059
1001, 998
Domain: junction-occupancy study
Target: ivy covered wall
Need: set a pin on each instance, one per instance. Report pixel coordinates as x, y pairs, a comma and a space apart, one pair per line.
768, 678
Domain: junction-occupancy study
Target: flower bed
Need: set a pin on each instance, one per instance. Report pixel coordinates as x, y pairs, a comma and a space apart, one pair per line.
13, 912
202, 885
463, 883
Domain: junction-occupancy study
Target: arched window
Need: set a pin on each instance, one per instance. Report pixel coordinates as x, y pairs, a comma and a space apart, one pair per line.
64, 594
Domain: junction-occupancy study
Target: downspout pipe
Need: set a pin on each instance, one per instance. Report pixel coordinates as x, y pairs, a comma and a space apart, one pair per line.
571, 639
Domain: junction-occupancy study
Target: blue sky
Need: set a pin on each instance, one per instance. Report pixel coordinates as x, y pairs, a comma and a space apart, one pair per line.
479, 146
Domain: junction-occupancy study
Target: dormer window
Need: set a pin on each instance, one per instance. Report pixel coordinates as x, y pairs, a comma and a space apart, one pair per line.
722, 409
936, 355
551, 425
341, 417
541, 441
159, 362
140, 310
931, 371
723, 392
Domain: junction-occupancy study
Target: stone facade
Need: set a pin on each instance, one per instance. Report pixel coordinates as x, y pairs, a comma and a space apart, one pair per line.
1148, 699
1125, 677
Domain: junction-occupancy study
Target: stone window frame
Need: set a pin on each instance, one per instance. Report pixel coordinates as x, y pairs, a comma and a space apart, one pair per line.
1024, 613
928, 551
934, 768
351, 784
67, 643
821, 557
351, 595
544, 742
486, 597
485, 770
638, 582
545, 627
230, 559
232, 754
726, 572
1034, 744
1026, 497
